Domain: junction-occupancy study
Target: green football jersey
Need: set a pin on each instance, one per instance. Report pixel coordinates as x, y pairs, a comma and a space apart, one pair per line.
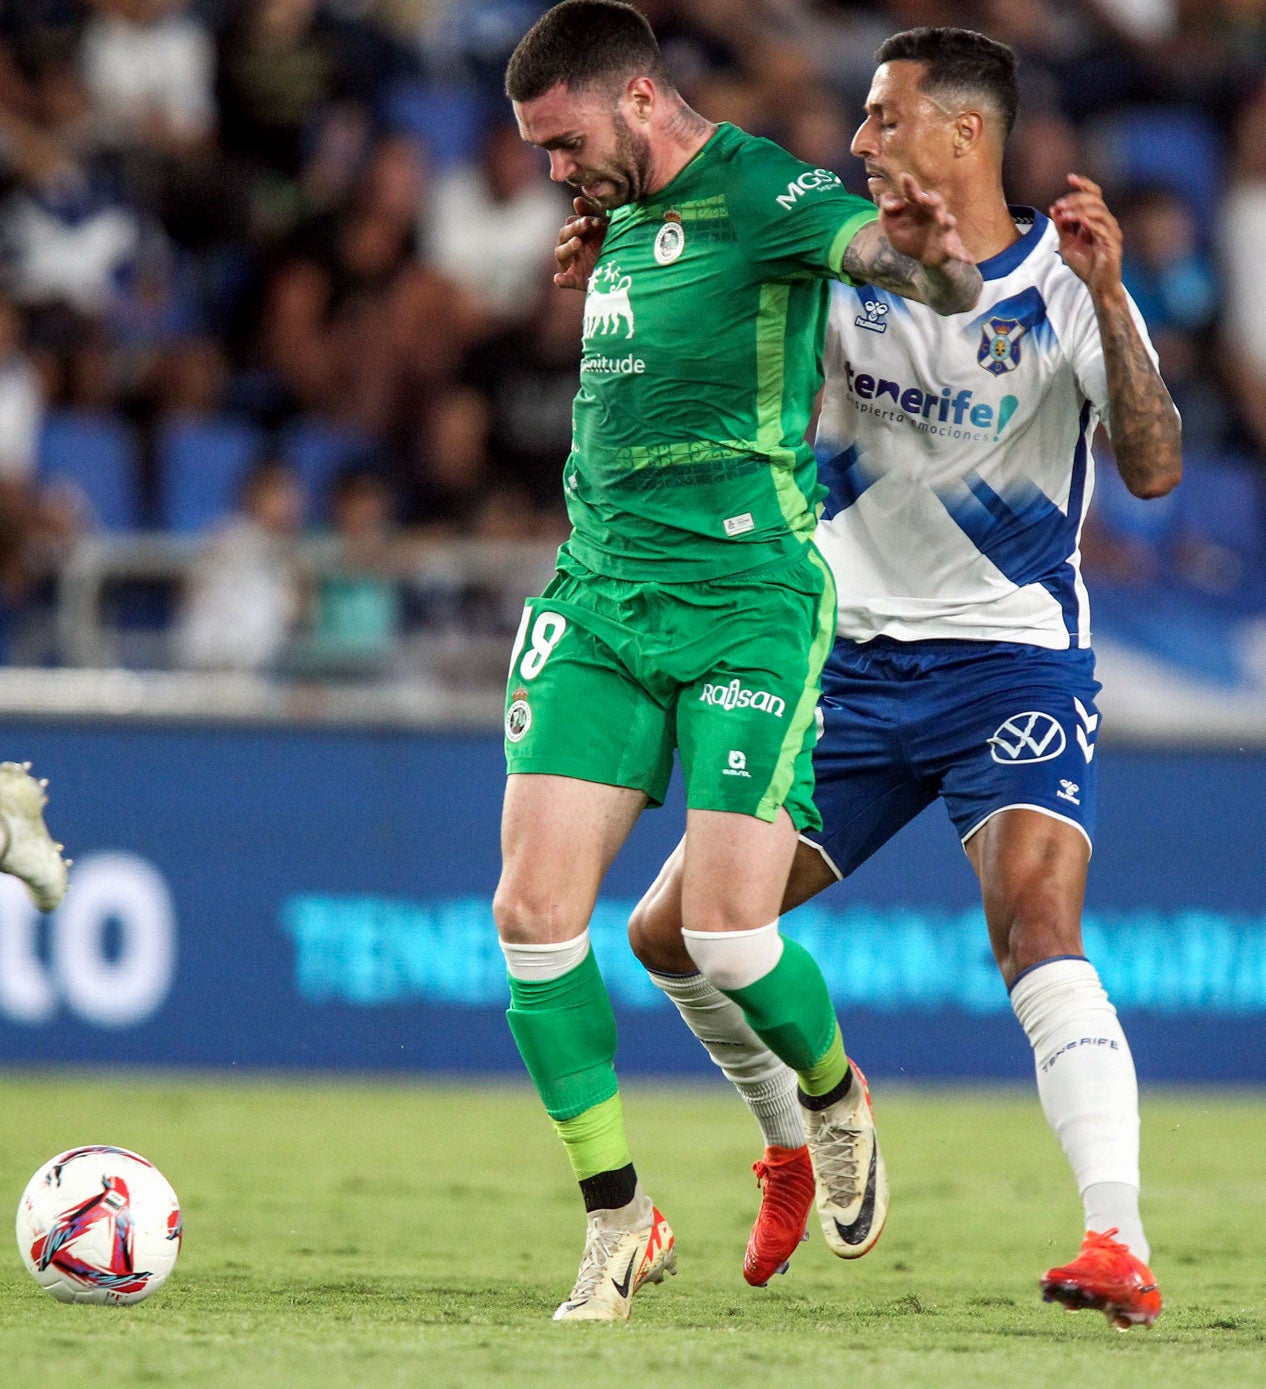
703, 332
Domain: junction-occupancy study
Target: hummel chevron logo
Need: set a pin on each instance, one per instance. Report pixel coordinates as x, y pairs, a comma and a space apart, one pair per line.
1086, 728
622, 1287
858, 1230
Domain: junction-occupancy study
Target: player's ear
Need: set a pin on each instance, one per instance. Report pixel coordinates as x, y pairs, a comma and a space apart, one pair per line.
640, 95
969, 130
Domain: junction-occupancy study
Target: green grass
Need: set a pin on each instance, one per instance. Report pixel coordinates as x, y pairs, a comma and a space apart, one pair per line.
377, 1235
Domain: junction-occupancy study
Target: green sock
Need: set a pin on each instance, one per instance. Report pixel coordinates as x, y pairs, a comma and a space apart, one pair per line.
790, 1010
565, 1031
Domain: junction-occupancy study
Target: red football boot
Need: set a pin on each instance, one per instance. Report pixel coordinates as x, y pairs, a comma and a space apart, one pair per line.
785, 1176
1105, 1276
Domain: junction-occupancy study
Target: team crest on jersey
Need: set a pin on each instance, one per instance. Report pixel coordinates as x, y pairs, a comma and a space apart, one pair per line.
875, 317
518, 716
999, 350
607, 306
670, 240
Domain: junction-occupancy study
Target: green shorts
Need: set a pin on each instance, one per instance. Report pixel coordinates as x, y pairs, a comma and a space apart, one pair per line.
609, 675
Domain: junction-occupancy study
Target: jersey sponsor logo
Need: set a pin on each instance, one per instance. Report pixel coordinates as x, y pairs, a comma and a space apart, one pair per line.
1069, 791
927, 407
607, 305
873, 320
614, 366
999, 350
737, 765
670, 240
1029, 737
808, 182
736, 696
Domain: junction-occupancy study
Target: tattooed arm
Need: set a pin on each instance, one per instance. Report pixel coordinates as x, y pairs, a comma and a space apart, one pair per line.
915, 251
1146, 431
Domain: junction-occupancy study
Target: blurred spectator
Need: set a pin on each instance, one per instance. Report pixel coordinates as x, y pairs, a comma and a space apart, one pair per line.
357, 609
529, 376
1174, 285
21, 405
492, 227
1243, 240
149, 66
247, 588
355, 324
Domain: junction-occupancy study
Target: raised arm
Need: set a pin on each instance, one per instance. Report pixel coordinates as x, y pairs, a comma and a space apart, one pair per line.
915, 250
1145, 428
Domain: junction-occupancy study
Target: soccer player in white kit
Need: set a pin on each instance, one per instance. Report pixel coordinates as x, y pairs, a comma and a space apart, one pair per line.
959, 472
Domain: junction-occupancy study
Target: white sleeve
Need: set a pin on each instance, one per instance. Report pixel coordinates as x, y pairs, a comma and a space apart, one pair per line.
1085, 350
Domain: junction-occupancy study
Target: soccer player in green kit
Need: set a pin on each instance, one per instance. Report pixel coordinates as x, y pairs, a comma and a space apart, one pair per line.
690, 609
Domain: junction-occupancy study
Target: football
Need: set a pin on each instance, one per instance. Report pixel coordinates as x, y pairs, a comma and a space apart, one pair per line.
99, 1224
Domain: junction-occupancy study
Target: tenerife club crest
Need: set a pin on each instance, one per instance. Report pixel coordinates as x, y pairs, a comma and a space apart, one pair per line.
607, 306
999, 350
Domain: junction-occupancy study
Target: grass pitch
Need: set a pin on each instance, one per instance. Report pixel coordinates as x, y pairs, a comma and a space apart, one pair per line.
399, 1234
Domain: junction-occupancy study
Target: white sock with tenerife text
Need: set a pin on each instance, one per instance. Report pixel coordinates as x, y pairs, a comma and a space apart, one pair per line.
1088, 1088
768, 1087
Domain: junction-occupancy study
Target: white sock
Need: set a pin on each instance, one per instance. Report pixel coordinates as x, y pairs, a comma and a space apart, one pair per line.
735, 959
1088, 1089
767, 1086
543, 963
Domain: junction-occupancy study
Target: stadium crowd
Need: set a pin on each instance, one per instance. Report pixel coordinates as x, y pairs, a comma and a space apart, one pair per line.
290, 256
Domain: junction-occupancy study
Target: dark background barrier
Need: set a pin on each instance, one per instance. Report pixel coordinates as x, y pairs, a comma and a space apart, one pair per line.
321, 898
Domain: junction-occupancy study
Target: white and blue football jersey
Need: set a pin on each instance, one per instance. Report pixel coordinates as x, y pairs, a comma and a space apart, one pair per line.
956, 454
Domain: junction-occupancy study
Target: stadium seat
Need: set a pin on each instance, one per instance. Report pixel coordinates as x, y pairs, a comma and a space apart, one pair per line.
96, 455
1172, 147
447, 121
319, 450
201, 465
1220, 501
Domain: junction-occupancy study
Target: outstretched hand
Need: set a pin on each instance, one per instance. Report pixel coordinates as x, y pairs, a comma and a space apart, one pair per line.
1089, 235
919, 225
579, 245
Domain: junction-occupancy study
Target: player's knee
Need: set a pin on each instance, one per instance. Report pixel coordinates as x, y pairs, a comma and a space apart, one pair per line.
524, 917
1029, 932
655, 937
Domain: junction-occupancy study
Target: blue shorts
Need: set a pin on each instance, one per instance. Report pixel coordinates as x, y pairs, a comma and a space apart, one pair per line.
983, 725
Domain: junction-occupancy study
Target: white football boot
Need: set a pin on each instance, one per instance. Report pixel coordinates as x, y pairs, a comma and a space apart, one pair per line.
617, 1261
852, 1184
30, 852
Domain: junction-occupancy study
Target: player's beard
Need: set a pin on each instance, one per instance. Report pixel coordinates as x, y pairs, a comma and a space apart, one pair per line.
628, 173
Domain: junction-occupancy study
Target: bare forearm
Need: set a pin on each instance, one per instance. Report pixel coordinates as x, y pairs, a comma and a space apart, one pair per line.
1146, 432
949, 288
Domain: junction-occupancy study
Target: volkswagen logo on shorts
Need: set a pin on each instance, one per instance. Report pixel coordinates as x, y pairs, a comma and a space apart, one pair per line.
1028, 737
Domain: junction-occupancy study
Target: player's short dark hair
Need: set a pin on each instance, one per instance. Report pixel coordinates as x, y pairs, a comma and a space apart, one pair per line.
584, 43
959, 62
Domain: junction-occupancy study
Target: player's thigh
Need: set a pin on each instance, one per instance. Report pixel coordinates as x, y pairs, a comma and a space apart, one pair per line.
746, 723
1020, 732
734, 871
558, 838
574, 709
1032, 871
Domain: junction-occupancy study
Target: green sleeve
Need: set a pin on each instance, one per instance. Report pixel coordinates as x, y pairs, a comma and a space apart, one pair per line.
793, 221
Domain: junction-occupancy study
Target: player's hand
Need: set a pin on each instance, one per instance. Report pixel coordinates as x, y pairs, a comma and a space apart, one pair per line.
918, 224
1089, 235
579, 243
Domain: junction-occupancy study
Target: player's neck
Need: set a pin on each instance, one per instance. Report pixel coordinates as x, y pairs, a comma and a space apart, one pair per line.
682, 135
985, 222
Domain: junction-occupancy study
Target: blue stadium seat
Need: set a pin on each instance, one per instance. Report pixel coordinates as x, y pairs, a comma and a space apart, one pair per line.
1169, 146
201, 465
1220, 501
447, 121
319, 450
96, 454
